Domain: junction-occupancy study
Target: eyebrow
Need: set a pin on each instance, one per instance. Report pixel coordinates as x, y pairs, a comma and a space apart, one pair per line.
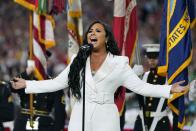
96, 29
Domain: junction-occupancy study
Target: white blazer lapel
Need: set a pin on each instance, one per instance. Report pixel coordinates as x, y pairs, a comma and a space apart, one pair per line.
89, 79
105, 69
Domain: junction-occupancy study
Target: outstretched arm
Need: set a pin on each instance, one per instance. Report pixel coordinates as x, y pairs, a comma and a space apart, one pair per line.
42, 86
132, 82
51, 85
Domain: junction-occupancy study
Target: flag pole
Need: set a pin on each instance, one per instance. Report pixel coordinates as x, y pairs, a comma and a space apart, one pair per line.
137, 54
31, 57
83, 110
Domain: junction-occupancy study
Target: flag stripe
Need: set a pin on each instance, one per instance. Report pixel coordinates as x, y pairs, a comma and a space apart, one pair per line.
180, 69
39, 53
40, 72
179, 31
119, 32
29, 4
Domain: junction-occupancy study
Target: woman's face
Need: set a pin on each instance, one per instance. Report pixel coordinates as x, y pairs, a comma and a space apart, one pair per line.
97, 36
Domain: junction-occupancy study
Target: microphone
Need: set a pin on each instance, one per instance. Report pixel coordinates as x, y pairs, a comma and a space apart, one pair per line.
86, 47
85, 50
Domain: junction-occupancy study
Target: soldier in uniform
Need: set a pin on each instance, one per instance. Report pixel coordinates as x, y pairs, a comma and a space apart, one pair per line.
6, 104
153, 111
43, 105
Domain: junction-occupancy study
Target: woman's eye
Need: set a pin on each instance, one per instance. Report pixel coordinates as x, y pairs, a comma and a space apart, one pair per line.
98, 31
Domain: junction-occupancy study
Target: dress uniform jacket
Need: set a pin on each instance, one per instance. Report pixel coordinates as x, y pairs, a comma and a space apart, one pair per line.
43, 104
148, 105
101, 112
6, 104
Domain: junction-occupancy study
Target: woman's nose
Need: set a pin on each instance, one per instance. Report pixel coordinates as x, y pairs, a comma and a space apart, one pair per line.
92, 33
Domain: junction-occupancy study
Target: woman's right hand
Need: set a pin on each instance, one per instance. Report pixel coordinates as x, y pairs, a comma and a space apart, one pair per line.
18, 83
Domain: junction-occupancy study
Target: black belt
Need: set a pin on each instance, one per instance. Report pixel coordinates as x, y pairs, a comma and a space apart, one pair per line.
35, 112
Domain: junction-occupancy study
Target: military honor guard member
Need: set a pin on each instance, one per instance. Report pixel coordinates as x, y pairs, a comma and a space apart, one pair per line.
153, 111
48, 108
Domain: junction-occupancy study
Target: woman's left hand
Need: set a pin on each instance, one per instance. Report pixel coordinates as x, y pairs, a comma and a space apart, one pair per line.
177, 88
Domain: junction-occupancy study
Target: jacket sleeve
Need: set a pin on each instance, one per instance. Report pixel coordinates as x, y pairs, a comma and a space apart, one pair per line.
135, 84
50, 85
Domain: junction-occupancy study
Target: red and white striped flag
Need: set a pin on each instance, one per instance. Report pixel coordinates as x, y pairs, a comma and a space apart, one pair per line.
43, 38
125, 33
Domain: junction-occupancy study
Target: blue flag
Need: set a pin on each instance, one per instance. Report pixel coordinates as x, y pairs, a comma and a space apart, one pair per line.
176, 48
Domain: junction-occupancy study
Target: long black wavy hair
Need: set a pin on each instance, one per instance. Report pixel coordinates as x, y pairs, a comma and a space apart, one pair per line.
79, 61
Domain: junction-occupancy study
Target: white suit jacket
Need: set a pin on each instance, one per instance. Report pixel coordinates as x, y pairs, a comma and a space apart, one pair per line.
101, 113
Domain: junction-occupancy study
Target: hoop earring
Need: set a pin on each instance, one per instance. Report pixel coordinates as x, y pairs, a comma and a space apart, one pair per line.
107, 46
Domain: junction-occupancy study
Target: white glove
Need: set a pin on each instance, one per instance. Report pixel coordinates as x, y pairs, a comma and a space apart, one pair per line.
192, 91
138, 69
30, 66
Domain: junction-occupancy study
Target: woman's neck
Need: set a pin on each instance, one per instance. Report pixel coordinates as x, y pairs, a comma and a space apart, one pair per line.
97, 55
97, 59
